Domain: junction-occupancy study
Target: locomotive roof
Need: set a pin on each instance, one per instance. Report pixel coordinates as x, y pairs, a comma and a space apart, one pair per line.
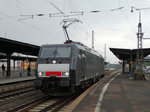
88, 49
78, 45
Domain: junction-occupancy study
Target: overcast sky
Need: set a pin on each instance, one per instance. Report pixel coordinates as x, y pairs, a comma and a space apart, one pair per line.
115, 28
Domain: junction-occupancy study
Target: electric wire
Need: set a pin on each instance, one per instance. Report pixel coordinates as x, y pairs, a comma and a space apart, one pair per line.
32, 26
127, 20
76, 26
64, 4
55, 7
132, 16
85, 21
63, 13
27, 8
79, 28
89, 26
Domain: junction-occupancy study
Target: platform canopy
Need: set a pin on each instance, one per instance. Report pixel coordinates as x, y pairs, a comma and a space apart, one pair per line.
127, 54
19, 58
7, 47
10, 46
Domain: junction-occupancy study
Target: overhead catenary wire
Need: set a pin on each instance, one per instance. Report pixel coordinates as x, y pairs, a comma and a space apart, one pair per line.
77, 27
84, 17
129, 7
31, 17
103, 11
32, 26
61, 12
56, 7
74, 10
76, 13
85, 21
28, 9
79, 30
127, 20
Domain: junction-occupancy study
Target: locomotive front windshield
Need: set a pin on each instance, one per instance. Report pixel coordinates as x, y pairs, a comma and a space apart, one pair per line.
55, 52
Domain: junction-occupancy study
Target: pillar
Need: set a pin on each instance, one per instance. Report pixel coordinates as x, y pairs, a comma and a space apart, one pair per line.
8, 64
23, 65
14, 65
130, 68
130, 65
123, 66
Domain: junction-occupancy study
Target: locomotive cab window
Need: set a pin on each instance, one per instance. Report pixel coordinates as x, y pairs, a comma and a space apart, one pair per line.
56, 52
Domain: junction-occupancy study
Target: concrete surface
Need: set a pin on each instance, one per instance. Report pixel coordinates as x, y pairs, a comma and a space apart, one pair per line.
15, 76
122, 95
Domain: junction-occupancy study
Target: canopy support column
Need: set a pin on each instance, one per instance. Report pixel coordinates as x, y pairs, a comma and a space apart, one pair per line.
123, 65
8, 64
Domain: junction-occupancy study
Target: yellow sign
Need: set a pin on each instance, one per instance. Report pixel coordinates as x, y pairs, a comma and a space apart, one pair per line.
32, 65
27, 60
22, 65
131, 62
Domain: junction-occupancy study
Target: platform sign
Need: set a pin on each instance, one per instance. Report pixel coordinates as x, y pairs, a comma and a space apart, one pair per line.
26, 61
26, 64
22, 65
32, 65
131, 62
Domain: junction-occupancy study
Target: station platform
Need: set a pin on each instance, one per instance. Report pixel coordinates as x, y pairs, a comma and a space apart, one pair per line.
15, 77
118, 94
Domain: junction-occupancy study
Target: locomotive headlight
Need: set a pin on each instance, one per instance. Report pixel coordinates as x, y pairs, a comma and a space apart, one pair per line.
54, 61
41, 73
66, 74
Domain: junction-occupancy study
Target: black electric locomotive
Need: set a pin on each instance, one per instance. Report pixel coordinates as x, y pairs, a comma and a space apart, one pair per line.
67, 67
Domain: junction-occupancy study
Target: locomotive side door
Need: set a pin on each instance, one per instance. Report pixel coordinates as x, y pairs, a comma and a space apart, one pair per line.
83, 64
81, 67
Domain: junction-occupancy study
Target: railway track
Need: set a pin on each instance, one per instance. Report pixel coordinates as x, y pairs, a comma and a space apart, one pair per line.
20, 99
39, 102
45, 104
55, 107
15, 93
